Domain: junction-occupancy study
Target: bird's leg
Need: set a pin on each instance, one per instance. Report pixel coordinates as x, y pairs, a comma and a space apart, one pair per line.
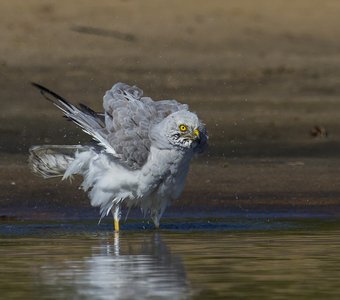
156, 215
155, 218
116, 217
116, 225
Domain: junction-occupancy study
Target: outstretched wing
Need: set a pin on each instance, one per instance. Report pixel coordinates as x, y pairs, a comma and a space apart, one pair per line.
91, 122
128, 118
123, 129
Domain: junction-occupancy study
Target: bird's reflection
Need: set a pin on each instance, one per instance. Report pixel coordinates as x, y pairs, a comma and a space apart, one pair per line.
122, 267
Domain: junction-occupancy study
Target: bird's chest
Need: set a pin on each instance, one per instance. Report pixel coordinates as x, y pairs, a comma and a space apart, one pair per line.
164, 173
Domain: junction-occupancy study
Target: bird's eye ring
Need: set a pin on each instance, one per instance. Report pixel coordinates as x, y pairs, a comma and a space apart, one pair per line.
183, 128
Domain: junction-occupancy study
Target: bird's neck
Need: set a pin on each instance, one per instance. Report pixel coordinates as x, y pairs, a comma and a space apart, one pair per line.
166, 159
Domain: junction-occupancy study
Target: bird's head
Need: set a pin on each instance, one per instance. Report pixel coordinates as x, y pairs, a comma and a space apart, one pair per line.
181, 129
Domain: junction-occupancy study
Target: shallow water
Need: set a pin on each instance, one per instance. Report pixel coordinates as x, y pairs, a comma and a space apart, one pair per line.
232, 258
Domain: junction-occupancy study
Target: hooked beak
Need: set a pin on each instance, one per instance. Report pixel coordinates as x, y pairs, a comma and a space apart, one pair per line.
193, 135
196, 134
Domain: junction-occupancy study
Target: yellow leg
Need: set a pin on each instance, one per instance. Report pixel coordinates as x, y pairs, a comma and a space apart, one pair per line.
116, 217
116, 224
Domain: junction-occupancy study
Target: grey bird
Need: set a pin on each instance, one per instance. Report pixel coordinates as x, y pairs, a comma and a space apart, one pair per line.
141, 156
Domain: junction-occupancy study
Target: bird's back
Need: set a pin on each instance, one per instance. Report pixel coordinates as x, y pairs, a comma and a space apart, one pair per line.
129, 117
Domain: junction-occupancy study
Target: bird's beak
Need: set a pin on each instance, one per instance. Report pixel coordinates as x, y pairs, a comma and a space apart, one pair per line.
196, 134
193, 135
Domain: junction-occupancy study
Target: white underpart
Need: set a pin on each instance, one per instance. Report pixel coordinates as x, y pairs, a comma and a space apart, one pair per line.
153, 187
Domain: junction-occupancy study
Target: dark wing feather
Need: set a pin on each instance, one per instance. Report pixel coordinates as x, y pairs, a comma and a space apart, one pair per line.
98, 116
91, 122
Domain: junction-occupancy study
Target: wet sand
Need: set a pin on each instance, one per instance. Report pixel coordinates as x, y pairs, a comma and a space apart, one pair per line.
264, 77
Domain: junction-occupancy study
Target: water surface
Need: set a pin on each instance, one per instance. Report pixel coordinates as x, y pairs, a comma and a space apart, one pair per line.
231, 258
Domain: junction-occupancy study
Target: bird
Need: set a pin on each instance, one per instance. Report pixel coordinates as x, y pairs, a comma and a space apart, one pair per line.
139, 155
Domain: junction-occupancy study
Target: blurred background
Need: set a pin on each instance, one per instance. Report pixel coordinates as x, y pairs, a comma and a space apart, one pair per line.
263, 75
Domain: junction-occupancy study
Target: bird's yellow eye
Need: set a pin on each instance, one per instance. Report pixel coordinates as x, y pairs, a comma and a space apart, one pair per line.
183, 128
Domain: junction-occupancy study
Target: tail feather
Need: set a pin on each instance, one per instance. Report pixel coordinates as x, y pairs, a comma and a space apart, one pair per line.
52, 160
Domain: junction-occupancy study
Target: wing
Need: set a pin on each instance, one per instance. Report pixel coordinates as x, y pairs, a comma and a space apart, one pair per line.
123, 129
91, 122
128, 118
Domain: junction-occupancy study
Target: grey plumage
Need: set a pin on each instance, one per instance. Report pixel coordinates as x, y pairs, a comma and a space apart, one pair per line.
143, 150
129, 116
